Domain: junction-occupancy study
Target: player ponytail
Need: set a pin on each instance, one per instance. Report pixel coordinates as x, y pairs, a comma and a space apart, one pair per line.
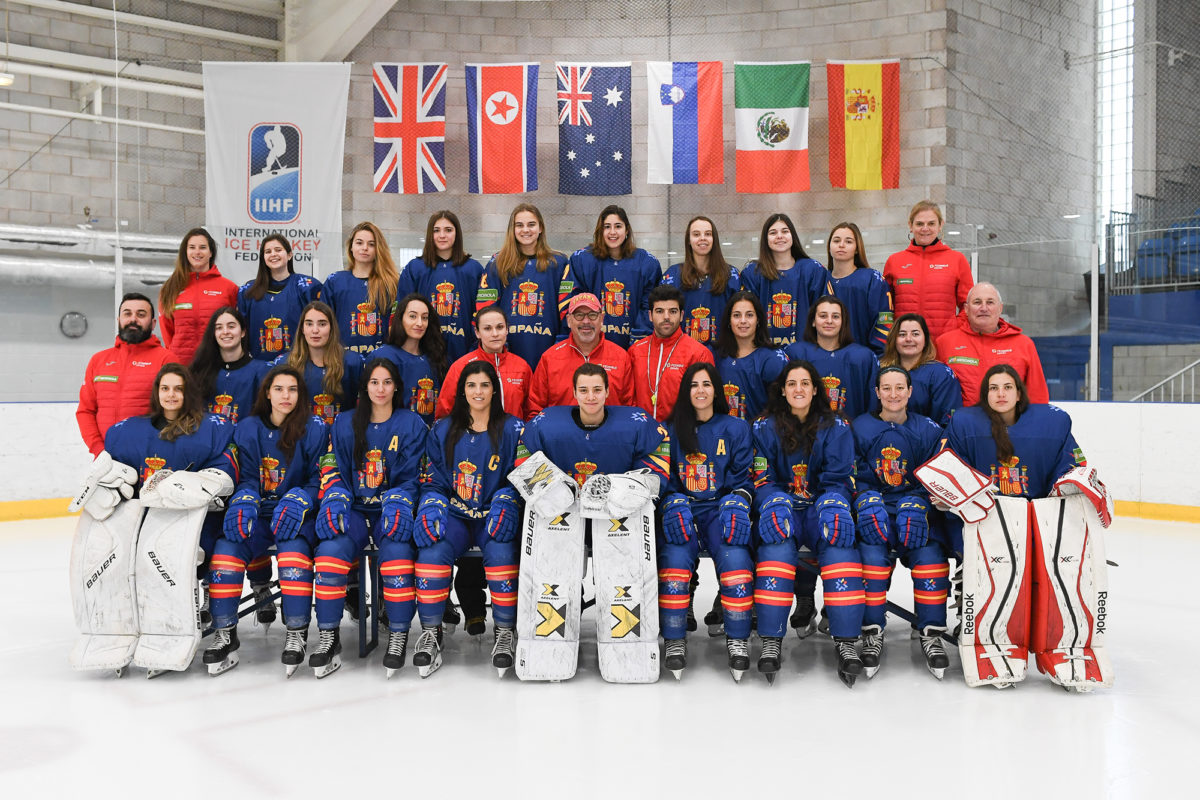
683, 417
432, 343
793, 434
292, 429
362, 411
190, 416
460, 413
1004, 448
208, 362
726, 344
334, 357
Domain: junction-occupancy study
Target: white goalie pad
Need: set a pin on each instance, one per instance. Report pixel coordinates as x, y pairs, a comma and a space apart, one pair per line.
181, 490
954, 484
168, 592
1085, 481
624, 566
549, 595
994, 639
1070, 611
543, 485
617, 495
102, 588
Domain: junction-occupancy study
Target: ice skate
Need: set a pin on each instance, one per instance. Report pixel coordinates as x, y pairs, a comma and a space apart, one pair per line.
850, 666
450, 620
715, 619
264, 615
823, 625
294, 645
428, 656
327, 658
769, 660
804, 618
502, 650
393, 659
935, 654
872, 649
739, 657
691, 612
221, 655
476, 626
676, 656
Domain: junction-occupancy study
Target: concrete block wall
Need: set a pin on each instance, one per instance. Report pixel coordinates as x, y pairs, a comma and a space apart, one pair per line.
1136, 369
1177, 103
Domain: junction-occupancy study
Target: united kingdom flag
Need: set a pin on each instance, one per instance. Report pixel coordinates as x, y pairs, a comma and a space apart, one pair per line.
410, 128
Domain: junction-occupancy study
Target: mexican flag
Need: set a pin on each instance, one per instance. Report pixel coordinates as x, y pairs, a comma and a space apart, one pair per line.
771, 120
864, 124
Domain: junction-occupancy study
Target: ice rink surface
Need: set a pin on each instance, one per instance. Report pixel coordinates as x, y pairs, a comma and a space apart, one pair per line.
462, 732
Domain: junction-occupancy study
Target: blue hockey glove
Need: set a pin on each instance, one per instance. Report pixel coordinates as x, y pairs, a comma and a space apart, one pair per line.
912, 522
289, 514
431, 520
677, 519
735, 520
241, 516
775, 518
872, 518
504, 516
837, 524
331, 519
396, 516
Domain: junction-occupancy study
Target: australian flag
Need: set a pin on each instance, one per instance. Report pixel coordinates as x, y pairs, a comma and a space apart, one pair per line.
410, 128
595, 130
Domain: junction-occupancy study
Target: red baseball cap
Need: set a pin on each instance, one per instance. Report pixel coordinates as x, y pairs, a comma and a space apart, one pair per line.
585, 300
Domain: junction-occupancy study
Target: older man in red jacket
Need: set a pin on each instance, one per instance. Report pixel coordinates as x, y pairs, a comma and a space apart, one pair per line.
982, 339
118, 380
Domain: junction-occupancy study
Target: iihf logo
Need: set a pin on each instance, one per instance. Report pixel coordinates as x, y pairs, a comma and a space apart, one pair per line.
273, 174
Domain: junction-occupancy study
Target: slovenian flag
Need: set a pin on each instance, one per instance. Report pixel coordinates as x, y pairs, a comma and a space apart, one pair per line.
502, 127
771, 120
864, 124
685, 137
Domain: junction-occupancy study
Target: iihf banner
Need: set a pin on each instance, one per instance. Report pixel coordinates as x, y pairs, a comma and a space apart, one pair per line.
864, 124
410, 127
502, 127
595, 129
684, 134
274, 136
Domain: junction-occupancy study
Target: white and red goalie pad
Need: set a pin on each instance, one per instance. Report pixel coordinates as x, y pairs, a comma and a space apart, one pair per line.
1070, 608
994, 639
1084, 481
953, 483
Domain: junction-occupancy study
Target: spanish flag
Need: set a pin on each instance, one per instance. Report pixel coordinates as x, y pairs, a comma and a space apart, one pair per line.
864, 124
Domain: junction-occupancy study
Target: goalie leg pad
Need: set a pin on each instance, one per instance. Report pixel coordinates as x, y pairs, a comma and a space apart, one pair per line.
675, 566
102, 593
1070, 590
877, 566
774, 578
548, 595
168, 592
624, 566
994, 639
844, 589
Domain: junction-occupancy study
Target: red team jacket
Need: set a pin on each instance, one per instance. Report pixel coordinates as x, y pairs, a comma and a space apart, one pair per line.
553, 380
182, 327
970, 354
117, 385
931, 281
658, 367
514, 374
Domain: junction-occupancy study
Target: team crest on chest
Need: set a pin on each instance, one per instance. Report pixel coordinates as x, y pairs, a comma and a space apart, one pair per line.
800, 481
424, 396
699, 325
153, 465
528, 300
835, 392
274, 337
222, 405
366, 320
467, 482
445, 300
783, 310
616, 299
737, 403
269, 473
371, 475
1011, 477
890, 467
583, 471
324, 407
696, 473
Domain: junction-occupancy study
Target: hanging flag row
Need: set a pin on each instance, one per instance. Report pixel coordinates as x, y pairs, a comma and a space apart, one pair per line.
685, 142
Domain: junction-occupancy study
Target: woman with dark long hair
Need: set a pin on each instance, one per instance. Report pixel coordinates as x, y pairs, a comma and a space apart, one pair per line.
784, 279
369, 482
279, 447
804, 482
331, 372
468, 502
707, 505
861, 288
363, 294
847, 369
706, 279
936, 392
744, 356
415, 345
226, 376
619, 273
193, 291
448, 277
271, 303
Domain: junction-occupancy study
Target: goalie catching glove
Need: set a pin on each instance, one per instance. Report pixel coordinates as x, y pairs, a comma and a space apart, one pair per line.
182, 490
619, 495
108, 482
1085, 481
955, 485
545, 487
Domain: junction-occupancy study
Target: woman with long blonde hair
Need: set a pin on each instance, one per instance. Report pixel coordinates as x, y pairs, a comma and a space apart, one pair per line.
331, 372
363, 294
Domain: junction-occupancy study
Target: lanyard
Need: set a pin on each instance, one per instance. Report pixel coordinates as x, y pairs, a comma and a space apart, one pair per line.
658, 374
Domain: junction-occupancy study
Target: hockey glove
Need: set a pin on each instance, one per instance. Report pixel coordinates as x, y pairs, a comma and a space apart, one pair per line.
735, 520
289, 514
956, 486
1085, 481
617, 495
331, 519
775, 518
544, 486
106, 484
872, 518
912, 522
184, 490
396, 516
504, 515
677, 519
241, 516
431, 520
837, 524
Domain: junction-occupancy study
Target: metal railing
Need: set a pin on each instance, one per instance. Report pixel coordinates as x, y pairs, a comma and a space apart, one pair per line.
1179, 387
1169, 260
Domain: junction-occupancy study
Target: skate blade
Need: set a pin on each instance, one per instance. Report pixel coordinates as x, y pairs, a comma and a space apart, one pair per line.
770, 678
501, 671
120, 672
678, 673
870, 672
429, 668
266, 626
848, 679
391, 671
154, 673
290, 670
937, 672
328, 669
805, 631
227, 664
737, 674
716, 630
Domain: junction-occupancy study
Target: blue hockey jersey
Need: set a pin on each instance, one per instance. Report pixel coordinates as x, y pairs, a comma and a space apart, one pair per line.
702, 310
422, 383
236, 387
361, 325
827, 467
887, 453
533, 303
848, 375
273, 322
869, 303
452, 291
266, 470
745, 380
623, 287
721, 466
136, 442
394, 454
478, 470
787, 298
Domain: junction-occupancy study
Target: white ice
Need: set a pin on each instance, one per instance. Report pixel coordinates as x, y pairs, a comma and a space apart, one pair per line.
463, 732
